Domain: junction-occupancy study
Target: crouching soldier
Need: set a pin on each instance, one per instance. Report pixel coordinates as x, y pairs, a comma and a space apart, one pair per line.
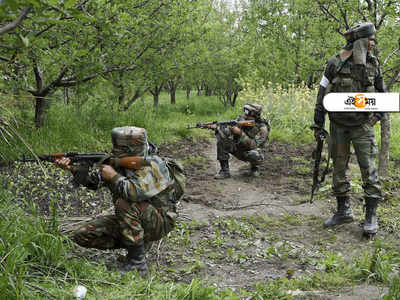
144, 200
246, 143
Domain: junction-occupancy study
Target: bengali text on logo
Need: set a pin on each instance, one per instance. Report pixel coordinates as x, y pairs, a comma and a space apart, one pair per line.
377, 102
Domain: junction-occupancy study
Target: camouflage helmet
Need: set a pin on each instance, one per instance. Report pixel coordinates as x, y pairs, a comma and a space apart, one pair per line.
253, 110
359, 31
129, 140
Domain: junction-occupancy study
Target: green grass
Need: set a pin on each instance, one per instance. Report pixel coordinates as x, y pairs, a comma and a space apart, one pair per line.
87, 127
36, 262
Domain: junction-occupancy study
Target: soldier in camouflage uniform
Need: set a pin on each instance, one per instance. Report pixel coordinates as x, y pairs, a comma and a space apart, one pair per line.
354, 69
143, 200
246, 144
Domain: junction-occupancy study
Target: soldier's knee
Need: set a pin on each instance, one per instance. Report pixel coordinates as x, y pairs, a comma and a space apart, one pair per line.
255, 156
79, 238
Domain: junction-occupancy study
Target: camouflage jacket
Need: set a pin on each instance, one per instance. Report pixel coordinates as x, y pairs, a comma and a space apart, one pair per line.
251, 138
338, 78
151, 183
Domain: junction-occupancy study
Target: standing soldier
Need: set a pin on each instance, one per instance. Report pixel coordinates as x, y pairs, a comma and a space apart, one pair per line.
354, 69
144, 200
245, 143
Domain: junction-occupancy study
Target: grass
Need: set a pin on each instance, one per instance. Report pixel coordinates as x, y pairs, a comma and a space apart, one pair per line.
87, 127
37, 262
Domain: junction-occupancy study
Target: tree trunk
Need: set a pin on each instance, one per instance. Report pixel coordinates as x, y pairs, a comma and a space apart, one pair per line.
208, 91
137, 95
235, 95
198, 90
155, 99
156, 92
383, 168
187, 93
40, 107
173, 95
66, 96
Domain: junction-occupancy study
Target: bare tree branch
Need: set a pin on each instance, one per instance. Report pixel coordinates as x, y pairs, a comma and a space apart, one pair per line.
394, 79
378, 25
390, 55
44, 30
73, 81
15, 23
344, 15
38, 75
55, 83
360, 11
5, 59
369, 4
327, 12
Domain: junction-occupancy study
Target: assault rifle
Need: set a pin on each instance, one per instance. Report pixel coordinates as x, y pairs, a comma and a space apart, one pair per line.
131, 162
244, 123
89, 159
317, 156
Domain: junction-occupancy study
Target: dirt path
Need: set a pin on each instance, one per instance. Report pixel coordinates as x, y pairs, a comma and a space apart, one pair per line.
242, 195
284, 232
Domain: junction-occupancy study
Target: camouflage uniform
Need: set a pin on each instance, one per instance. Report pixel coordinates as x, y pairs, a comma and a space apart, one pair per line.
144, 207
347, 75
144, 201
248, 146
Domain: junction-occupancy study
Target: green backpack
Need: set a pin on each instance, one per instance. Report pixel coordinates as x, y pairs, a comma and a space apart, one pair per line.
177, 172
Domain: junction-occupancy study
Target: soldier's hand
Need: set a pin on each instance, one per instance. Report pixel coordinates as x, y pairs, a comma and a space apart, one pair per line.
317, 134
64, 163
374, 120
107, 172
236, 130
212, 126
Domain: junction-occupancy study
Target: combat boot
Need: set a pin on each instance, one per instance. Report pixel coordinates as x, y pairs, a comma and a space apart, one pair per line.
255, 171
224, 172
135, 260
344, 214
371, 222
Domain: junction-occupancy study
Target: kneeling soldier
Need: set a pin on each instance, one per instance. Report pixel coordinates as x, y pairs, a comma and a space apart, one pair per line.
244, 143
143, 199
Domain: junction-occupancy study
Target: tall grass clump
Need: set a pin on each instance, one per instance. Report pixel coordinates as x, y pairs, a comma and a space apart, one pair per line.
30, 251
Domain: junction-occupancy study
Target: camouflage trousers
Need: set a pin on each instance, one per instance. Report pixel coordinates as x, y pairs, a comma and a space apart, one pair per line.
227, 145
131, 224
366, 150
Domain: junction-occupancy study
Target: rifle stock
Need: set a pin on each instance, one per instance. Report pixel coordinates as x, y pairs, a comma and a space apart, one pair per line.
131, 162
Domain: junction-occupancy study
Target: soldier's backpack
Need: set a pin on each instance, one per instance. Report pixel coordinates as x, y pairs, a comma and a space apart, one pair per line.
177, 172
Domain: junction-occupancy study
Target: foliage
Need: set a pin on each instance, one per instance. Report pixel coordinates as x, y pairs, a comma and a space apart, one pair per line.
87, 127
292, 40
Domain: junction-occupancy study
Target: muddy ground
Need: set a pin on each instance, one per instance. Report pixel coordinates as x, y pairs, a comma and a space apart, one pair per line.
231, 233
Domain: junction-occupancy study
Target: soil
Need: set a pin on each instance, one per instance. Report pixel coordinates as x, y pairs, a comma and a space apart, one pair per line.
231, 233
